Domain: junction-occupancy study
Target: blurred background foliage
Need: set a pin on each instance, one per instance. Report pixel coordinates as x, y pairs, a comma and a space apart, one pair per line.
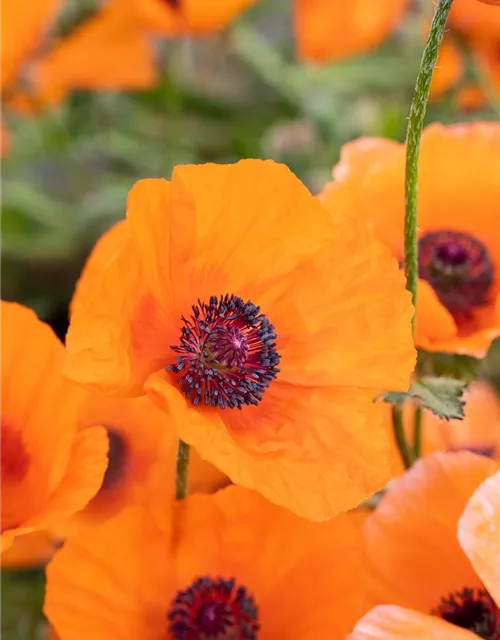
237, 94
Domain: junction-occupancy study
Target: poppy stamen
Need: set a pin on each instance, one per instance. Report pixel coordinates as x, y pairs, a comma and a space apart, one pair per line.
227, 353
213, 609
458, 267
471, 609
14, 457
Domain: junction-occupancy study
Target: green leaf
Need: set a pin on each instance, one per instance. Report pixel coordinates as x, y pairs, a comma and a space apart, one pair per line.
442, 396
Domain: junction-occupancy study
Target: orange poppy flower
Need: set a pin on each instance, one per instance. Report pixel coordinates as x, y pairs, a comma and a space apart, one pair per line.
106, 52
49, 471
439, 586
256, 571
334, 29
458, 308
29, 551
181, 17
142, 448
215, 281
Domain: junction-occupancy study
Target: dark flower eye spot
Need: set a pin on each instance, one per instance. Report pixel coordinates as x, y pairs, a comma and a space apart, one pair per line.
471, 609
117, 459
213, 609
458, 267
226, 353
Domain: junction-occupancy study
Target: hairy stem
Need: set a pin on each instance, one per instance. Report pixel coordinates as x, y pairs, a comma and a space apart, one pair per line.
413, 135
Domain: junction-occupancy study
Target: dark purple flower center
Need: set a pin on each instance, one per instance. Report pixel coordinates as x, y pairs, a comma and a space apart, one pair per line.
213, 609
117, 459
458, 267
471, 609
226, 353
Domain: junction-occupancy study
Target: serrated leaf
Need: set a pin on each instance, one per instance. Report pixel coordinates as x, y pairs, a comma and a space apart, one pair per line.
442, 396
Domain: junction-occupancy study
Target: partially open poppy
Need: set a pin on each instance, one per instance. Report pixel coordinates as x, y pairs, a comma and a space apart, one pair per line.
438, 586
327, 30
262, 324
49, 470
235, 566
458, 307
142, 450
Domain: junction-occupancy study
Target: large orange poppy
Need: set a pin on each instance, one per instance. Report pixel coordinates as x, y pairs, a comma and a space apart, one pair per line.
142, 450
49, 470
458, 308
272, 307
327, 30
438, 586
236, 567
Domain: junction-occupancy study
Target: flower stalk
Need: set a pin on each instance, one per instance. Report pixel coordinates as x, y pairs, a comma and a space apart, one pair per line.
181, 470
413, 136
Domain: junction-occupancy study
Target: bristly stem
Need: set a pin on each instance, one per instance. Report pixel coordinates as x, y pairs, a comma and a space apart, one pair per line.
181, 470
417, 431
399, 435
413, 135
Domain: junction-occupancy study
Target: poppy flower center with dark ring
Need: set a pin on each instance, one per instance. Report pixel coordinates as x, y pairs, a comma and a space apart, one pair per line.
471, 609
226, 356
458, 267
217, 609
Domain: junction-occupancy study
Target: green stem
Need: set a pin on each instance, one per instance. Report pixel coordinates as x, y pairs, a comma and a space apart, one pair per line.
413, 135
399, 435
417, 432
181, 470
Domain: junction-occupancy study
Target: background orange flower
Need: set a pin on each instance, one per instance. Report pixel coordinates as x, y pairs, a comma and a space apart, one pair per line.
49, 471
458, 192
181, 17
121, 580
334, 29
309, 444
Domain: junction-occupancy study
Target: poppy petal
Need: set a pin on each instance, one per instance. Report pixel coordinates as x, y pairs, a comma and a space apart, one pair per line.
479, 533
333, 29
396, 623
411, 538
317, 469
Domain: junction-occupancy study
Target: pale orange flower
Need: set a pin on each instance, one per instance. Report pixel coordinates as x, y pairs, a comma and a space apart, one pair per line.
440, 586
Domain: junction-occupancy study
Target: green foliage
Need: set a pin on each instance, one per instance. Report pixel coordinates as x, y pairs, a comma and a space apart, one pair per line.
442, 396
